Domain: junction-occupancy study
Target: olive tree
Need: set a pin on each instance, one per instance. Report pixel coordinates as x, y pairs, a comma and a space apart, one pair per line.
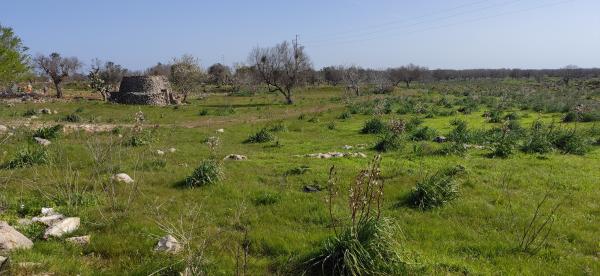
58, 68
187, 75
281, 67
406, 74
219, 74
333, 75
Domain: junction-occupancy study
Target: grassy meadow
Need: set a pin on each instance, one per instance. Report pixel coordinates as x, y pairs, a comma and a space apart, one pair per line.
258, 220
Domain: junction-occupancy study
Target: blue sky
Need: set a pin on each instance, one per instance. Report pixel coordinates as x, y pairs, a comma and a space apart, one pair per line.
376, 33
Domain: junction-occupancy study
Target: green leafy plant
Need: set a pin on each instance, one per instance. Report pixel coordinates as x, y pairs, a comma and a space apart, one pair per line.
388, 142
48, 132
208, 172
262, 136
27, 157
374, 126
435, 190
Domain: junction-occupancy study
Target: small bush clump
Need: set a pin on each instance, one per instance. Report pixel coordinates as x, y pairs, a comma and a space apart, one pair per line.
72, 118
388, 142
29, 112
571, 142
435, 190
345, 115
265, 198
28, 157
298, 170
374, 126
538, 140
423, 134
209, 172
262, 136
48, 132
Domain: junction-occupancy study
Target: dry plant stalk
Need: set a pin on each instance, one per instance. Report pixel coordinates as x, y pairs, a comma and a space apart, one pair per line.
366, 193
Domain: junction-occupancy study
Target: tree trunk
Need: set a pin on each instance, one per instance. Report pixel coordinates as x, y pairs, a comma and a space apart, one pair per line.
59, 92
407, 84
104, 96
288, 97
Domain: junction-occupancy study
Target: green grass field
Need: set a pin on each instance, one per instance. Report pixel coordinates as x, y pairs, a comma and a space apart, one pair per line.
477, 233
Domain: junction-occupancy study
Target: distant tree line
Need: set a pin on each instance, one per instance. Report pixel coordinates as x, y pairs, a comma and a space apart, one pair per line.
281, 69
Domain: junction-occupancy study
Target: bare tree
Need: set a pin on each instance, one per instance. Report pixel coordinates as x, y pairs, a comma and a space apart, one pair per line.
281, 67
219, 74
186, 75
105, 78
244, 76
57, 68
406, 74
353, 79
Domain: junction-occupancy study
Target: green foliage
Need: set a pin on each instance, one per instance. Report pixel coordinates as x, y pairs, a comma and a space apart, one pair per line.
538, 140
298, 170
203, 112
28, 157
374, 126
571, 142
278, 127
140, 139
34, 231
207, 173
29, 112
72, 118
262, 136
423, 134
345, 115
389, 142
13, 58
48, 132
435, 190
331, 125
366, 249
265, 198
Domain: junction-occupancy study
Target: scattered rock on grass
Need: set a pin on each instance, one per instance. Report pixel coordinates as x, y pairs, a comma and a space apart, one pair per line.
220, 130
237, 157
42, 141
81, 240
48, 220
311, 189
45, 111
122, 177
336, 155
62, 227
160, 152
3, 128
440, 139
11, 239
172, 150
168, 244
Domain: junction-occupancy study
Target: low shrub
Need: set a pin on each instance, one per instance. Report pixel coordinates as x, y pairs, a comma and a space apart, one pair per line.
423, 134
262, 136
265, 198
278, 127
367, 249
203, 112
435, 190
374, 126
27, 157
298, 170
413, 123
331, 125
72, 118
538, 139
208, 172
571, 142
139, 139
29, 112
48, 132
34, 231
388, 142
345, 115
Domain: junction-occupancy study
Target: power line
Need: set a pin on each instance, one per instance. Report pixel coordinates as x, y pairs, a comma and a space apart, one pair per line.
446, 25
403, 26
402, 20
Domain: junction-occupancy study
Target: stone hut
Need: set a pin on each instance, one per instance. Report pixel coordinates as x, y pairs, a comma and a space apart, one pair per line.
147, 90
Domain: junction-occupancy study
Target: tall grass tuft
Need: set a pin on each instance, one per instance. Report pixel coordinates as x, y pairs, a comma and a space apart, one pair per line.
435, 190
